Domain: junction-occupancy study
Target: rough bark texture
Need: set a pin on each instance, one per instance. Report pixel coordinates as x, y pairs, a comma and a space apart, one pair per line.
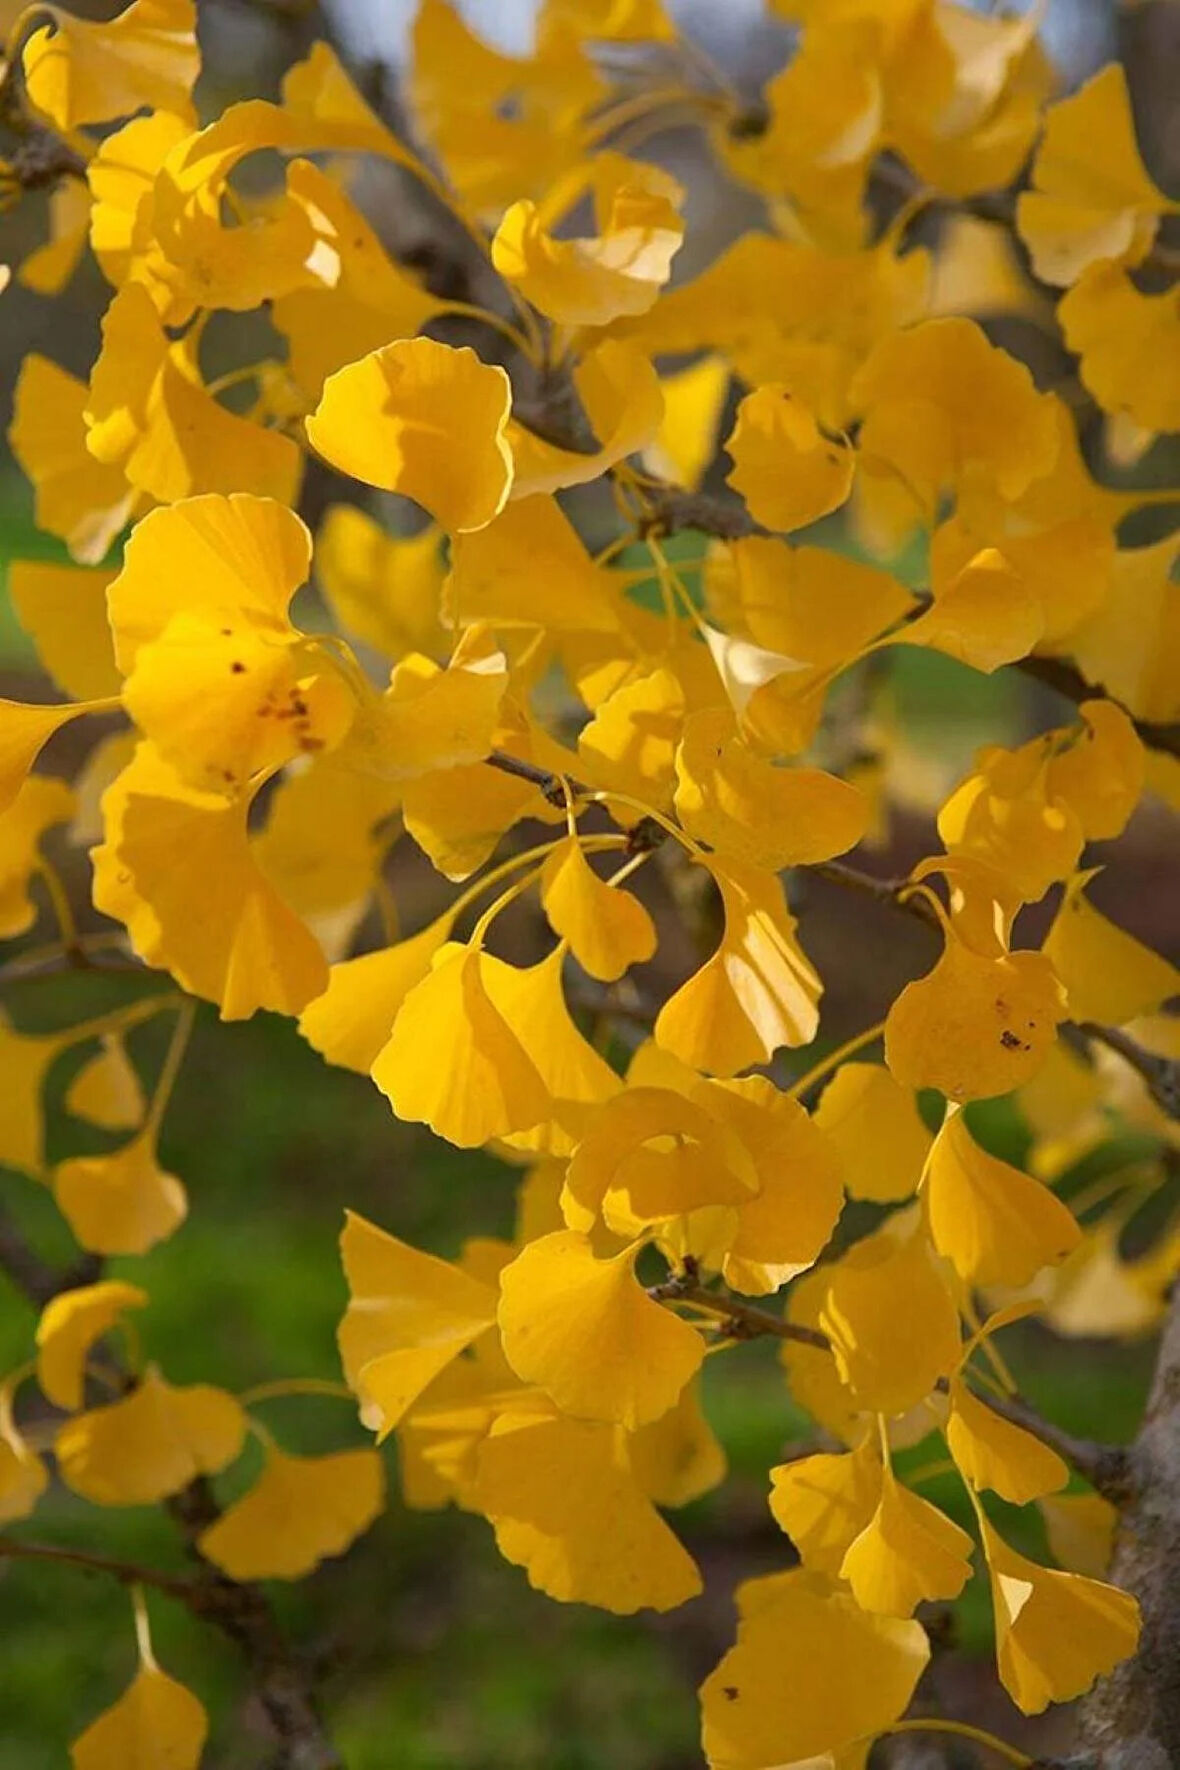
1132, 1719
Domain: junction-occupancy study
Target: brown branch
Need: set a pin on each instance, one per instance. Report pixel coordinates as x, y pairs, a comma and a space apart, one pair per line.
885, 891
127, 1572
671, 510
544, 779
282, 1678
739, 1320
39, 1280
1107, 1467
1161, 1074
1062, 676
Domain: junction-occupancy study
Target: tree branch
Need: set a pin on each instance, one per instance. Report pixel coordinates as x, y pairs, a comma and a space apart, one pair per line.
127, 1572
885, 891
1107, 1467
1131, 1721
1067, 680
739, 1320
1161, 1074
34, 1276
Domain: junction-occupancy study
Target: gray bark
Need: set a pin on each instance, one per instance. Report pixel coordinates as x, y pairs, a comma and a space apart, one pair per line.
1131, 1721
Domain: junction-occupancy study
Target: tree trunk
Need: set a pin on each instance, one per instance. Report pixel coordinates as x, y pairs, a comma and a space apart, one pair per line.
1131, 1721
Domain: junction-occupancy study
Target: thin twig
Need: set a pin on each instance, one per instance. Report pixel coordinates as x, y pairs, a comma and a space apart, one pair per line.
1161, 1074
1063, 677
1107, 1467
739, 1320
884, 891
127, 1572
39, 1280
544, 779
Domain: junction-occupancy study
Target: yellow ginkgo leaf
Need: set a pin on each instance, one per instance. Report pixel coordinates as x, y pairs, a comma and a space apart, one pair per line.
619, 391
299, 1511
373, 299
823, 1502
1080, 1528
24, 1064
24, 731
608, 929
121, 1203
152, 1443
328, 828
70, 1324
243, 558
727, 796
40, 803
217, 923
1127, 342
1101, 774
630, 744
941, 405
977, 1024
991, 1452
877, 1131
23, 1476
226, 703
907, 1553
84, 501
330, 113
677, 1458
488, 1086
156, 1722
811, 1371
385, 589
1055, 1632
986, 616
351, 1022
121, 178
758, 991
149, 415
78, 71
63, 608
586, 1331
620, 272
107, 1090
458, 815
566, 1506
891, 1359
562, 591
575, 1077
1108, 975
1127, 643
217, 676
694, 400
384, 420
811, 1673
1091, 198
651, 1153
409, 1316
434, 718
1009, 816
994, 1223
787, 470
784, 1226
807, 603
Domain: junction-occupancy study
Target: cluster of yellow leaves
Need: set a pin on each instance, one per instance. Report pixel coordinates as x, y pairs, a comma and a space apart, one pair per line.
485, 675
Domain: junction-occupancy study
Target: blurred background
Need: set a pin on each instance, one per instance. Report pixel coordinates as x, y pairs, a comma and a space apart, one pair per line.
437, 1655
